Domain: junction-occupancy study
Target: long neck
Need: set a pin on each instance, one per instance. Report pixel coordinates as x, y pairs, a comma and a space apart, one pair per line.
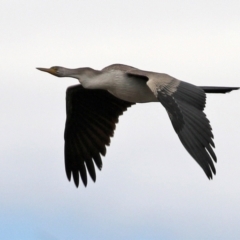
90, 78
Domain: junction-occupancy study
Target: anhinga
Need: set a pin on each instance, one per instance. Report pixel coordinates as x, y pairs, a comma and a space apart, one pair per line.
94, 106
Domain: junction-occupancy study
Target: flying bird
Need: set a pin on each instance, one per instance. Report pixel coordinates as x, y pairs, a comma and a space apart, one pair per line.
94, 106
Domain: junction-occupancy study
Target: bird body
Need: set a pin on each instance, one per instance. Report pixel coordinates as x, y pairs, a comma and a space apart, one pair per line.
130, 88
94, 106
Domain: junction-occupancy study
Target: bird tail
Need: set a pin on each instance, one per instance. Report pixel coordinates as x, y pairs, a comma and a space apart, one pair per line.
218, 89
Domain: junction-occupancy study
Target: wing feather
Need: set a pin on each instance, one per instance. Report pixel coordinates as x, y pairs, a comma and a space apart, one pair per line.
185, 109
184, 104
91, 120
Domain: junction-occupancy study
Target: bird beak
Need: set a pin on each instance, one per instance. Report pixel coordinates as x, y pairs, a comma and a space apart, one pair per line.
48, 70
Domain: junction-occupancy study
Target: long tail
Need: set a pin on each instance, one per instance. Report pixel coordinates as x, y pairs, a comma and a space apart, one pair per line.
218, 89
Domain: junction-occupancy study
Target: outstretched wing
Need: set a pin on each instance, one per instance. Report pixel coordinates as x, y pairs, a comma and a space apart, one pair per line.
185, 103
91, 119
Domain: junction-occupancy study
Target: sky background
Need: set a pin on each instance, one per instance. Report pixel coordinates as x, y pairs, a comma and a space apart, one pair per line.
149, 187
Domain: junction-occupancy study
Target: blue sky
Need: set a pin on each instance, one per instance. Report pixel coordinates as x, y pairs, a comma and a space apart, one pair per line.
149, 187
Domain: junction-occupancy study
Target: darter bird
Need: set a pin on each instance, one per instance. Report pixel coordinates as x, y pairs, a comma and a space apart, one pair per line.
94, 106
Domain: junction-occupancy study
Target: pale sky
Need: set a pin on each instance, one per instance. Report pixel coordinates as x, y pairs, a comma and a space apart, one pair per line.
149, 187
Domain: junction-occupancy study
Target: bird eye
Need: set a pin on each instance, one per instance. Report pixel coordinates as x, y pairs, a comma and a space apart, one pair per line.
56, 69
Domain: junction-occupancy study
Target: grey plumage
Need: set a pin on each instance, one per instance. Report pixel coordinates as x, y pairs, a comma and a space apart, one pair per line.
94, 106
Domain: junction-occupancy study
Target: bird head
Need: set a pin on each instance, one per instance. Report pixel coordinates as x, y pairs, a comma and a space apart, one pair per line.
56, 71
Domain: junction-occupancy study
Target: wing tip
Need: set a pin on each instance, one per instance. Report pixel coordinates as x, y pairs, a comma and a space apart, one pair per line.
210, 173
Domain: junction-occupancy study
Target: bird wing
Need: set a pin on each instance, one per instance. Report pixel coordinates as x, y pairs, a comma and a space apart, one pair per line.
91, 119
184, 104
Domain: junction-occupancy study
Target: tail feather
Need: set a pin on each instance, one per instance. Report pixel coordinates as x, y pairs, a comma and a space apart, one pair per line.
218, 89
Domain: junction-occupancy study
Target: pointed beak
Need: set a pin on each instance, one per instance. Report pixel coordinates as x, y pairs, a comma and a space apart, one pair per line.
48, 70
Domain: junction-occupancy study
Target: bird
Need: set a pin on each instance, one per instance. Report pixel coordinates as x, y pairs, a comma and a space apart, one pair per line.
94, 105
